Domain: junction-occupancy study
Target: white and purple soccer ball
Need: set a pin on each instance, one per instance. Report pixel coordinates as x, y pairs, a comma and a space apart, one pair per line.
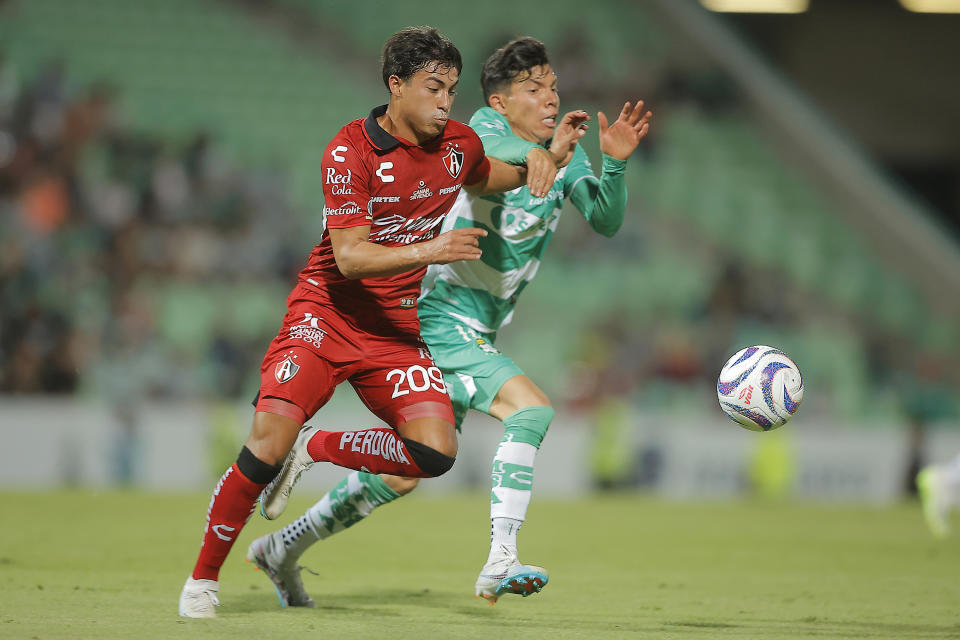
760, 388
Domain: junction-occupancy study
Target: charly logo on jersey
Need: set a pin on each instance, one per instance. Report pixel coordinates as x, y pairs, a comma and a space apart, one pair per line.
220, 528
340, 183
382, 172
453, 160
422, 191
286, 369
408, 303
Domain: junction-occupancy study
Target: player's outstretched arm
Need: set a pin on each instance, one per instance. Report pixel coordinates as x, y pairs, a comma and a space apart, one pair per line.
539, 175
357, 257
603, 203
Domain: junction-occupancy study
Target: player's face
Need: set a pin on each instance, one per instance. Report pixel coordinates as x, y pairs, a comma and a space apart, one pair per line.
532, 104
424, 100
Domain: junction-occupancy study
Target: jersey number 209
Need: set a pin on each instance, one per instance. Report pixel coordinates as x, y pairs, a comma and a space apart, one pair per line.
416, 378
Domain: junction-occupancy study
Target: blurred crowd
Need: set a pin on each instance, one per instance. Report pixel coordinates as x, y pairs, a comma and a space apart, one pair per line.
97, 221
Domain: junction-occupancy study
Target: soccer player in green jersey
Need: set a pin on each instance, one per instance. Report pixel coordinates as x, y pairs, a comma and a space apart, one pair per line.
464, 304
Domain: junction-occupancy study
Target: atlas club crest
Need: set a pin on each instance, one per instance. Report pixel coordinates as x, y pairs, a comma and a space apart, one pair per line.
453, 161
285, 370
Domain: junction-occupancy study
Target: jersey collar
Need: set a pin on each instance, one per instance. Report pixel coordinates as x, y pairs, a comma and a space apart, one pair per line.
378, 137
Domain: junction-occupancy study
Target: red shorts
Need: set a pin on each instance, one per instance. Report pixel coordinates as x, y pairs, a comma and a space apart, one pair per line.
386, 362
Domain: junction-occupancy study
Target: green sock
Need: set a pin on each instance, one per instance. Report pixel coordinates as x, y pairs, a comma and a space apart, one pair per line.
352, 500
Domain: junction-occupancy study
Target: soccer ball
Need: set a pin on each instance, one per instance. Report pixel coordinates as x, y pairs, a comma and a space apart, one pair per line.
760, 388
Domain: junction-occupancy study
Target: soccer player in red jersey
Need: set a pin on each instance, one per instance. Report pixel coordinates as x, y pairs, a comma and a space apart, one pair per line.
388, 181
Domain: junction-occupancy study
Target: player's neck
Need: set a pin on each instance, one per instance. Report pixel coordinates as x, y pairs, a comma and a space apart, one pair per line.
525, 135
392, 123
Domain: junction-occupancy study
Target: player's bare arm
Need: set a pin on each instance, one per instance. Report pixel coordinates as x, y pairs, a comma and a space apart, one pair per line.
357, 257
541, 171
538, 175
619, 139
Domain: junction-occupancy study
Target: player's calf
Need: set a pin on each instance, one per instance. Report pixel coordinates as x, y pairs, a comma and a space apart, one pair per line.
231, 505
400, 484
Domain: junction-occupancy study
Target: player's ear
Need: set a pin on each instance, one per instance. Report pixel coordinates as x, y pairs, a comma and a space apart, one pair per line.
395, 84
499, 103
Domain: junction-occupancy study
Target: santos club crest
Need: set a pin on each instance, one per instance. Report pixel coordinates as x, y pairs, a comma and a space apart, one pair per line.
453, 161
285, 370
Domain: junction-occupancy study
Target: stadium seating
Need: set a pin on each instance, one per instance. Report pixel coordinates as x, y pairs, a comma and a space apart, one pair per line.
712, 191
185, 65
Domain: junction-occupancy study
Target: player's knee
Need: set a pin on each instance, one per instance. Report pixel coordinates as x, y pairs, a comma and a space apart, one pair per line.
273, 433
529, 424
431, 462
255, 469
400, 484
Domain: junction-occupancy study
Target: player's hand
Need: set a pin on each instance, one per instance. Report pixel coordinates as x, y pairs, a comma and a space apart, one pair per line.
541, 171
622, 137
572, 127
456, 244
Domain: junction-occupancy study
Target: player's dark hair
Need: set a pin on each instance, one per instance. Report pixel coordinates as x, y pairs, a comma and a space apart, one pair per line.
509, 61
414, 48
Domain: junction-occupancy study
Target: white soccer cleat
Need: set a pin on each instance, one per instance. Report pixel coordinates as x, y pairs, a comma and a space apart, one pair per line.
274, 497
935, 499
269, 555
199, 599
508, 575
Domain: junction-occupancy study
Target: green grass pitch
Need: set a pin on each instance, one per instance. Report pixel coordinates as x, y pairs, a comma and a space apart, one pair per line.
111, 565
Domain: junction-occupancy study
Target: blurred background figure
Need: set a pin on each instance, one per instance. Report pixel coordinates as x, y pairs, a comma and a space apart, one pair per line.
938, 485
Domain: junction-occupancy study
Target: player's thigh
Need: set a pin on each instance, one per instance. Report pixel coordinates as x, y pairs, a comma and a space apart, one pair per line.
272, 436
474, 369
297, 375
519, 392
405, 389
294, 383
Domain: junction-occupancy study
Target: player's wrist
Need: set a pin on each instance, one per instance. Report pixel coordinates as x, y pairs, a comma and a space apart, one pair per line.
612, 163
532, 153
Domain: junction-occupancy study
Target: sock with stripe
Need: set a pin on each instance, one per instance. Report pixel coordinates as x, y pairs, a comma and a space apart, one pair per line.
512, 477
352, 500
231, 505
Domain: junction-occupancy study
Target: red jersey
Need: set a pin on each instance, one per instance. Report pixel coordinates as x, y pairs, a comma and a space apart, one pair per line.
403, 191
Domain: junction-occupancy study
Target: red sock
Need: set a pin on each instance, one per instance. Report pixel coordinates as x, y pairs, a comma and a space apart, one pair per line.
232, 504
371, 450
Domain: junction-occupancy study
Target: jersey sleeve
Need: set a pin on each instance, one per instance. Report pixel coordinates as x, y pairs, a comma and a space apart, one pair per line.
480, 168
498, 139
345, 177
602, 202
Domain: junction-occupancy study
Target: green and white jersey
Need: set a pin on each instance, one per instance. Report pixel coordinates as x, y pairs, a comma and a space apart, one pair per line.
482, 293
